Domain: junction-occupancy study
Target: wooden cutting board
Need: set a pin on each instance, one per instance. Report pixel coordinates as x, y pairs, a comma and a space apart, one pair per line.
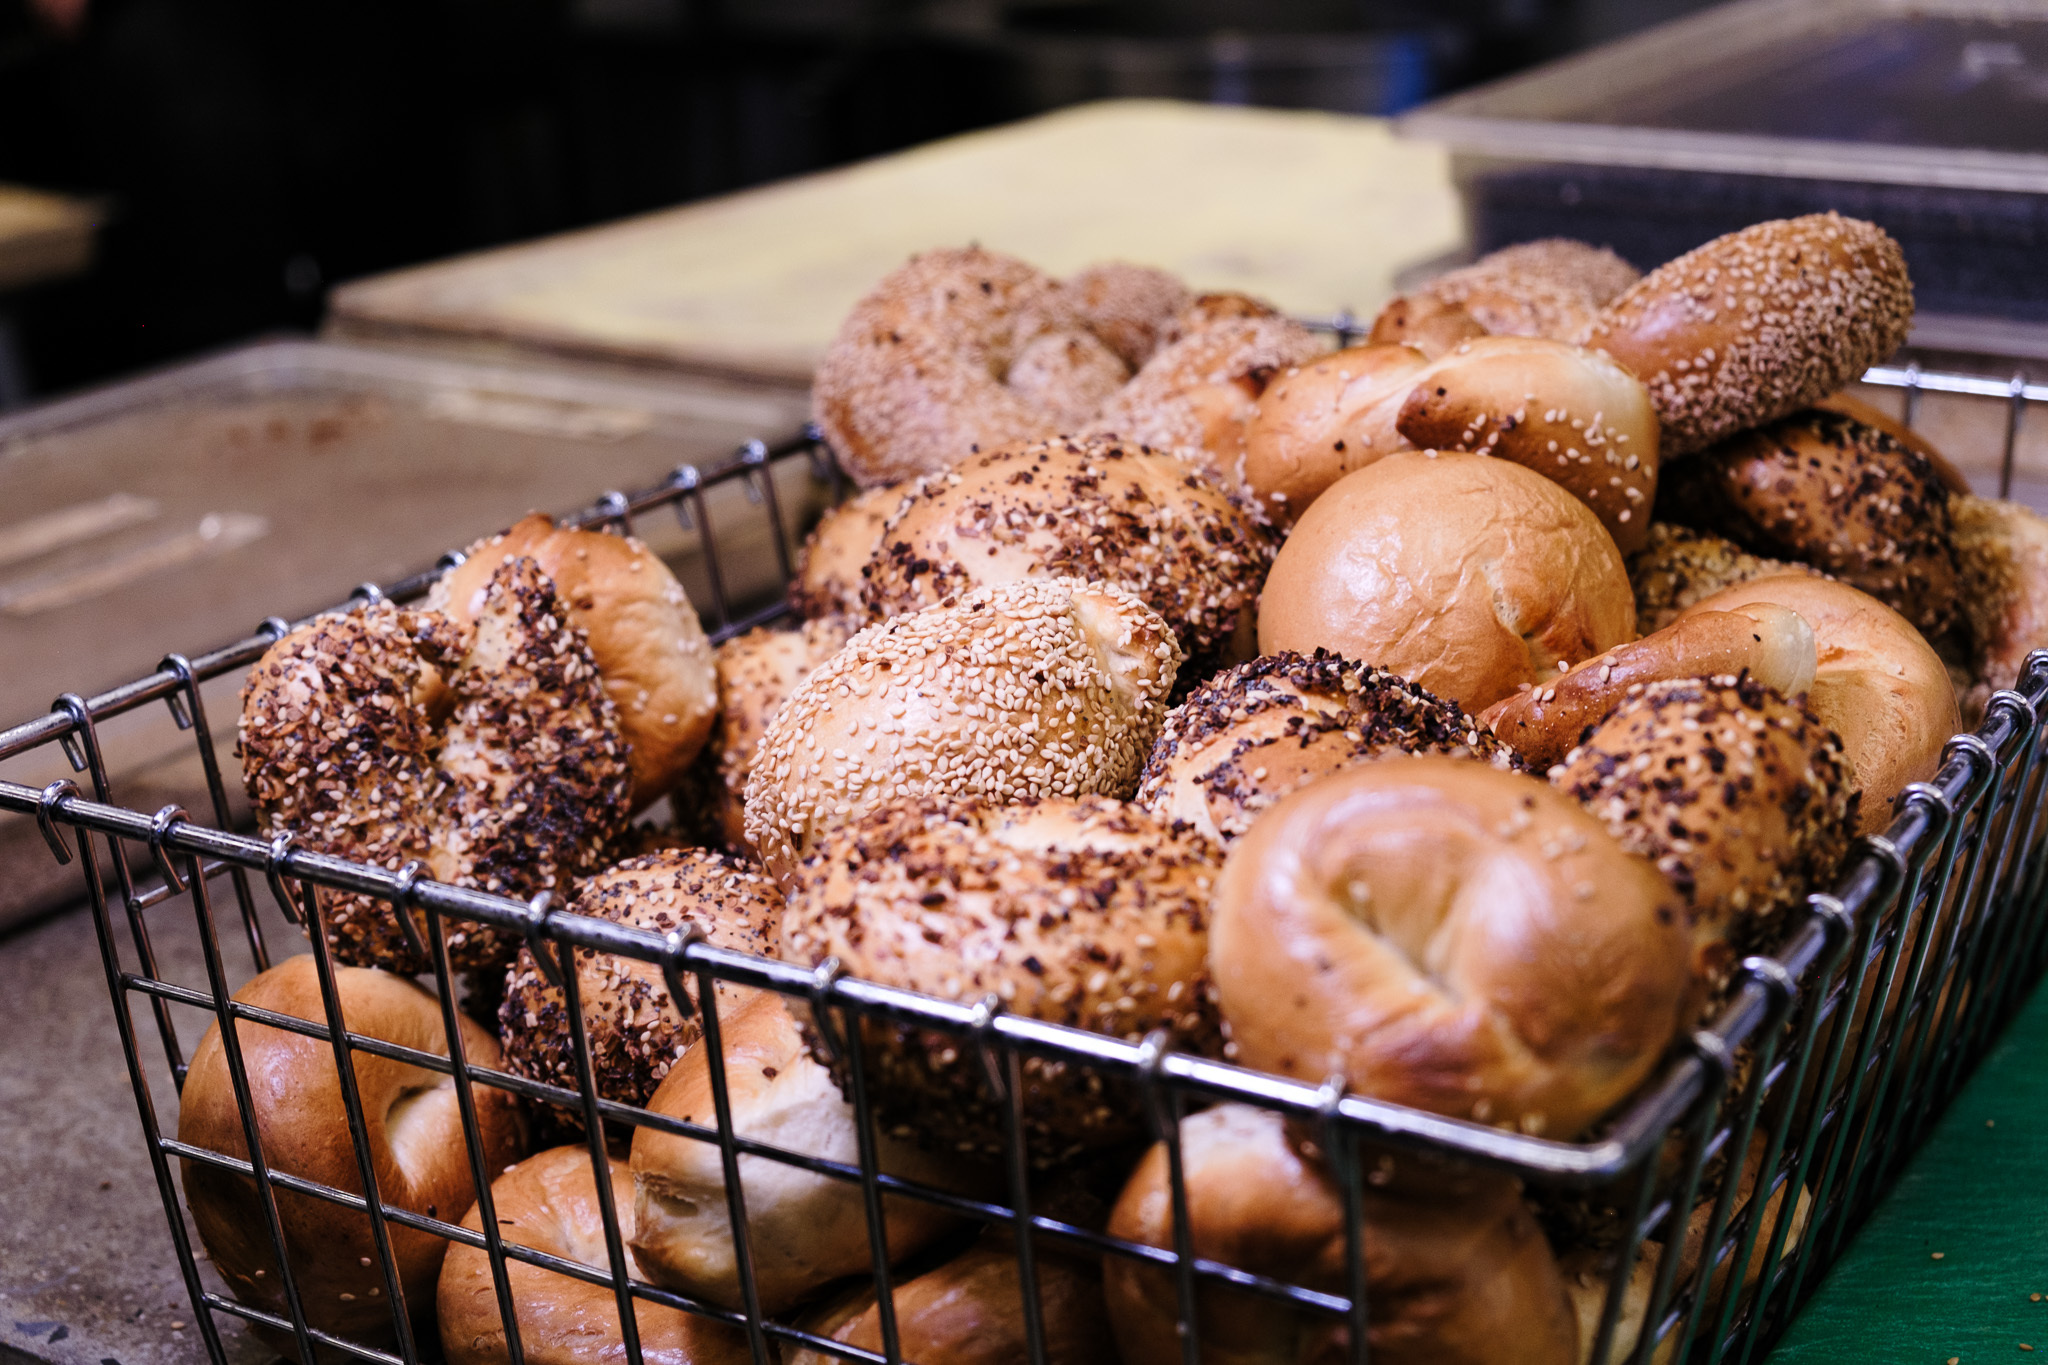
1314, 211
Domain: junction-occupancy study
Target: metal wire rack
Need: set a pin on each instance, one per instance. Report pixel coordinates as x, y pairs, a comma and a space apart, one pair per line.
1835, 1053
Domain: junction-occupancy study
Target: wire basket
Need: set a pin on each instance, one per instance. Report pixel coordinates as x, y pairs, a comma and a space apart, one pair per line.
1826, 1065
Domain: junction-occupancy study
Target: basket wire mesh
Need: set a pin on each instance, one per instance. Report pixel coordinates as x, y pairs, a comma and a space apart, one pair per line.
1836, 1052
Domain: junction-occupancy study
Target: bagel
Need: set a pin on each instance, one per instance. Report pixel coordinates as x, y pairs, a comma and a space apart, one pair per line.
803, 1229
1572, 415
634, 1030
1758, 324
1254, 733
970, 1311
1738, 796
413, 1126
1877, 684
1550, 288
957, 349
1087, 508
830, 569
1457, 1271
1042, 687
1195, 398
1772, 645
1467, 575
1679, 566
1449, 936
1087, 913
1832, 492
549, 1203
1319, 421
1871, 415
2002, 548
1132, 308
521, 787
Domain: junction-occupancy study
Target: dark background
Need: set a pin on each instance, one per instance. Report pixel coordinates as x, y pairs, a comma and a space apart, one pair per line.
249, 153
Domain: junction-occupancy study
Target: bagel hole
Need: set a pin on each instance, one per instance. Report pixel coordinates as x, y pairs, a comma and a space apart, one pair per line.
416, 1123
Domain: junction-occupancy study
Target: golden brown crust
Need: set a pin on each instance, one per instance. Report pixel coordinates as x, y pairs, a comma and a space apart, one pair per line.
1425, 323
634, 1030
1195, 397
416, 1144
1758, 324
640, 627
2002, 548
1318, 422
1571, 415
1831, 492
522, 786
549, 1203
1131, 307
1680, 566
1457, 1269
830, 568
1550, 288
1088, 913
1043, 687
1878, 684
803, 1230
1453, 937
920, 373
1254, 733
1745, 804
1466, 574
1849, 405
1077, 507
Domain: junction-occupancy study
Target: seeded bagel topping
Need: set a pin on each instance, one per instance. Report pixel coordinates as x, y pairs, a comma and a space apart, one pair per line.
1681, 566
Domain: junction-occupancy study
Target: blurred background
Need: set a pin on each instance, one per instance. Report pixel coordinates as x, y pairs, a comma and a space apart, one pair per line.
237, 157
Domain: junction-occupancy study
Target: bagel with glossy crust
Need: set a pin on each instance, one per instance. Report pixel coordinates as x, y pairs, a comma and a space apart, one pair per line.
1253, 733
1877, 684
1449, 936
803, 1229
1042, 687
415, 1135
1088, 913
650, 650
1468, 575
1572, 415
1770, 644
1550, 288
1849, 405
1458, 1273
1196, 397
549, 1203
830, 567
1319, 421
1758, 324
633, 1027
1091, 507
958, 348
1131, 307
2003, 551
1744, 804
1680, 566
1830, 491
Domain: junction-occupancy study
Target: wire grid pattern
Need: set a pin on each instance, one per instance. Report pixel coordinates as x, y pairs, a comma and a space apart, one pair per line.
1839, 1050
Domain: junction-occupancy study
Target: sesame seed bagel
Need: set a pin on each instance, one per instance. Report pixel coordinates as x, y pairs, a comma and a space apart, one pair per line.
1043, 687
956, 348
1458, 1270
829, 568
1195, 397
1254, 733
1835, 493
635, 1031
756, 673
1771, 644
1572, 415
1449, 936
1758, 324
1317, 422
1680, 566
1877, 684
1739, 797
1549, 288
2003, 552
638, 623
1088, 913
1131, 307
1090, 507
514, 783
1468, 575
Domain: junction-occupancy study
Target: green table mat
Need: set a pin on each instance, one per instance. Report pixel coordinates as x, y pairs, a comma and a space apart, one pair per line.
1977, 1194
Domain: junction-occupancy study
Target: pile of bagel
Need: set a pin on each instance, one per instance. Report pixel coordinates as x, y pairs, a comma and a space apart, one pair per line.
1445, 717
